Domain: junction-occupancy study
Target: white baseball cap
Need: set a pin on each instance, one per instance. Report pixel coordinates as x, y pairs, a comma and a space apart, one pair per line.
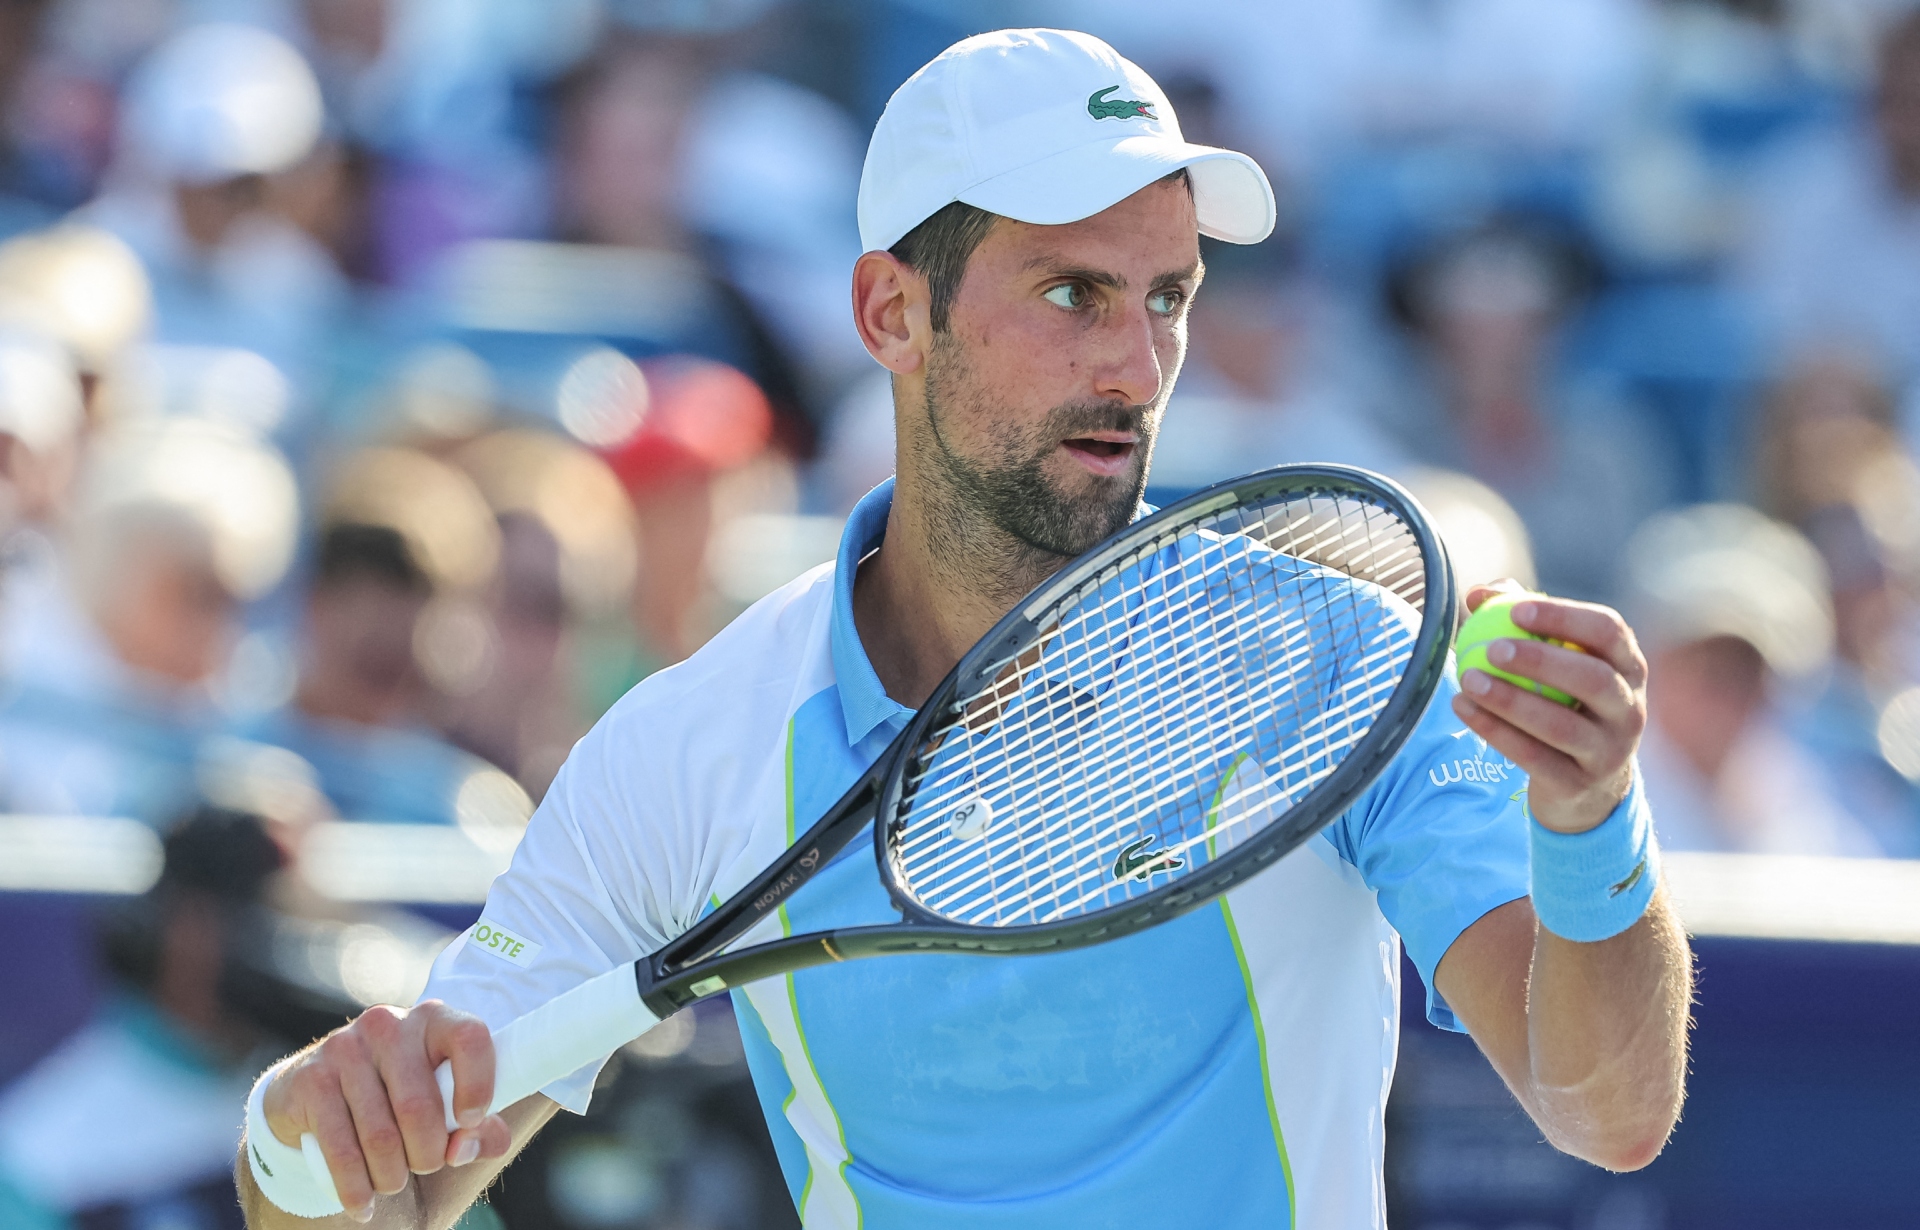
1042, 126
220, 100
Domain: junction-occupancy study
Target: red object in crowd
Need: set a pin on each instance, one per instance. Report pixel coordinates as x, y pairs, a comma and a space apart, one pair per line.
701, 417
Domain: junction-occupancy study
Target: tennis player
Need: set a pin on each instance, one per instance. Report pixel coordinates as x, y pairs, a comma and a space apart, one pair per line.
1031, 216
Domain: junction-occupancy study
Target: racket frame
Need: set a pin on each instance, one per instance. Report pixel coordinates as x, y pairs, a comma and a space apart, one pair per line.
694, 965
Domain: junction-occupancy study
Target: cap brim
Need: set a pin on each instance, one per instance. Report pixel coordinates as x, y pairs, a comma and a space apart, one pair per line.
1231, 195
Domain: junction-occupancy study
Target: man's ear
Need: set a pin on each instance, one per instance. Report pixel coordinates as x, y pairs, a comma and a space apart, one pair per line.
890, 308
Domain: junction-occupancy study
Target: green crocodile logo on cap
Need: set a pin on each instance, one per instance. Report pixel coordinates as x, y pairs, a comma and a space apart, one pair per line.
1100, 107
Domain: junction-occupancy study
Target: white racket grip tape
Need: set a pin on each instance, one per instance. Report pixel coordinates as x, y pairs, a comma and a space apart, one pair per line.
556, 1039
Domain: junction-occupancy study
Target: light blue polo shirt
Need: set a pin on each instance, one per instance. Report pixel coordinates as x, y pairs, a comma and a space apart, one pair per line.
1227, 1069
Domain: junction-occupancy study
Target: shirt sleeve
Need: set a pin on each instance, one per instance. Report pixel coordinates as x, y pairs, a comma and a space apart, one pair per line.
1441, 837
574, 904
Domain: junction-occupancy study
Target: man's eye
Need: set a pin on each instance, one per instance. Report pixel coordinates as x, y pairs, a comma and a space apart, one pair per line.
1067, 295
1165, 302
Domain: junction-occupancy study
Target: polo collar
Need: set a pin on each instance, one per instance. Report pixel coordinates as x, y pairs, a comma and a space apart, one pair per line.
864, 703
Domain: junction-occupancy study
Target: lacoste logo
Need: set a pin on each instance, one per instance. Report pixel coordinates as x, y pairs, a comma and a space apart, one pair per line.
1140, 863
490, 937
1632, 879
1100, 107
260, 1161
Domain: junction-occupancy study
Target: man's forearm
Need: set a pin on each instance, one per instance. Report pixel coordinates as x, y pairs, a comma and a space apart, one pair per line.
429, 1202
1607, 1039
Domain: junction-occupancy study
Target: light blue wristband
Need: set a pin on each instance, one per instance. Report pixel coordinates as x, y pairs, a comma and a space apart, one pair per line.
1594, 885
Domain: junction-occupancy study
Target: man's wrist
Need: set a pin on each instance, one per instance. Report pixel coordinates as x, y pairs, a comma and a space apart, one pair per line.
283, 1173
1594, 884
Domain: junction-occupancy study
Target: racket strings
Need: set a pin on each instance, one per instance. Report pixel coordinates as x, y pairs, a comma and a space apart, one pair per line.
1210, 722
1187, 694
1238, 806
1076, 836
1293, 776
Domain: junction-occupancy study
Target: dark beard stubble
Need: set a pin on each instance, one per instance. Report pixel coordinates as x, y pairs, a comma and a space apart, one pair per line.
1010, 492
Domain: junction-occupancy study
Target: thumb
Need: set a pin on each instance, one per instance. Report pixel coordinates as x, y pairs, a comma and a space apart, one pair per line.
1483, 590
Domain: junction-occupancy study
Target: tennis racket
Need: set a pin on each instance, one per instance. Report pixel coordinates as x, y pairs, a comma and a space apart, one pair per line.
1161, 720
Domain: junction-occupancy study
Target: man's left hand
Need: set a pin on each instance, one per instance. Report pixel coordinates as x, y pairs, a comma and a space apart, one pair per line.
1578, 761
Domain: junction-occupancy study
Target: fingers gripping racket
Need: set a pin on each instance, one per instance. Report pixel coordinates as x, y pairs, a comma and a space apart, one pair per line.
1167, 716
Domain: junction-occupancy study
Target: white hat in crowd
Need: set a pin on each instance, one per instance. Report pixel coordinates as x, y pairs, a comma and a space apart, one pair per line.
77, 285
1727, 570
236, 494
220, 100
1047, 127
39, 393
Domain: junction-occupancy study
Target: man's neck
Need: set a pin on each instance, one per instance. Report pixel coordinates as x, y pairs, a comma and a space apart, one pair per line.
940, 581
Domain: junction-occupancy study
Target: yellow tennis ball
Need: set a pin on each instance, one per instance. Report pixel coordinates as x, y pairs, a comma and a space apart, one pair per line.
1492, 622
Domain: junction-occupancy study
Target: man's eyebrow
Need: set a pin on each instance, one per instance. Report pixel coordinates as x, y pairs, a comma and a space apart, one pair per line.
1192, 273
1101, 277
1093, 277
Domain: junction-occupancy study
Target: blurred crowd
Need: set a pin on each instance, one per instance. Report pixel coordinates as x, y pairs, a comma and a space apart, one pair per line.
387, 385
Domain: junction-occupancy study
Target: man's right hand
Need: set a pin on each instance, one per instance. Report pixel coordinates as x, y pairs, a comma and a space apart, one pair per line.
367, 1092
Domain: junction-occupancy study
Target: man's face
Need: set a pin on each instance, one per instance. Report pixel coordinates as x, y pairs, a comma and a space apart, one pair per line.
171, 616
1044, 396
361, 629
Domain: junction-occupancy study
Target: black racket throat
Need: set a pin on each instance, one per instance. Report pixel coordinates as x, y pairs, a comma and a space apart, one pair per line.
771, 889
696, 965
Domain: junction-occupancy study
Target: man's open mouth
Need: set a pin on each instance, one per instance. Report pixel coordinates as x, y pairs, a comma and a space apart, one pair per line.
1105, 453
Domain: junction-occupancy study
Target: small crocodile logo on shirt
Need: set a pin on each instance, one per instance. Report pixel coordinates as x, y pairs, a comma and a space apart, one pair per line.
1100, 107
1140, 862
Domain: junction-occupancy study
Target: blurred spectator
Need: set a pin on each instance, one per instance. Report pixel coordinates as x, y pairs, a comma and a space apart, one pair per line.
1316, 81
209, 118
1830, 462
1827, 435
441, 106
620, 181
1724, 83
1833, 261
1486, 310
40, 433
356, 715
1261, 385
109, 654
78, 286
702, 421
22, 200
756, 138
568, 557
40, 421
1730, 606
159, 1069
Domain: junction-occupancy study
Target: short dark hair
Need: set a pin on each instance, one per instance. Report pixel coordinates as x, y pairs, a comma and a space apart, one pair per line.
350, 551
939, 249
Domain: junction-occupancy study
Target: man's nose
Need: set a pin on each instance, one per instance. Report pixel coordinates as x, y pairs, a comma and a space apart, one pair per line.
1130, 361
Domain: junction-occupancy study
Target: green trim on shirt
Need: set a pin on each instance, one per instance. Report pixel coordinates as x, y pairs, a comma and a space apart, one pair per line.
1253, 1003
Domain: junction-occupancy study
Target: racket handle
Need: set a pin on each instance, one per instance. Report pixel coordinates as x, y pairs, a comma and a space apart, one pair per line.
554, 1040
